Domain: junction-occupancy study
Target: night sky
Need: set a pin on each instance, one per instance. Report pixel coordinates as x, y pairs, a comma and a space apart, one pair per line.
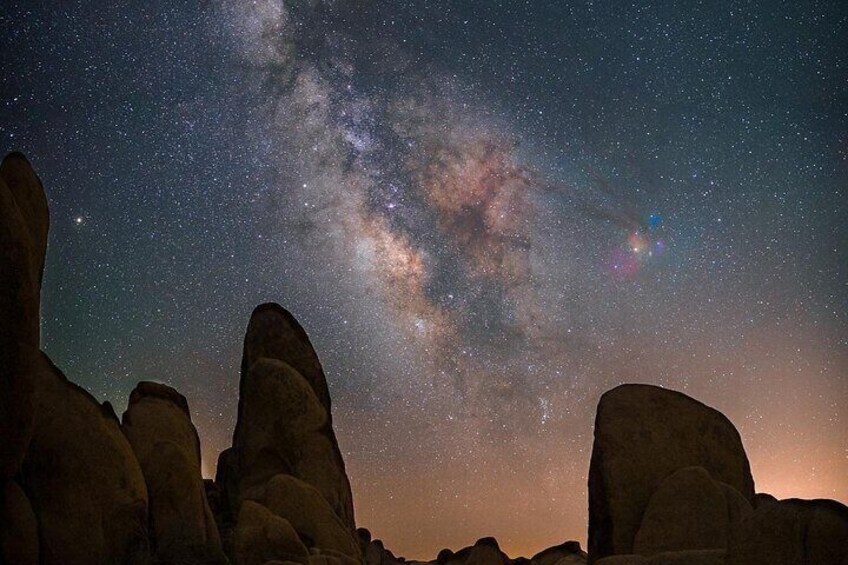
484, 213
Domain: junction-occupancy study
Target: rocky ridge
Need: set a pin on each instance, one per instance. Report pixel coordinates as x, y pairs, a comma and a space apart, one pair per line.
669, 480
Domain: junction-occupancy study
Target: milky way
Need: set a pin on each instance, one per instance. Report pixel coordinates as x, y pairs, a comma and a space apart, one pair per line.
485, 214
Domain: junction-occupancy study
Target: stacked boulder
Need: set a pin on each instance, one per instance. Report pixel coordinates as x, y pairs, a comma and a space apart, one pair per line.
670, 483
284, 491
157, 423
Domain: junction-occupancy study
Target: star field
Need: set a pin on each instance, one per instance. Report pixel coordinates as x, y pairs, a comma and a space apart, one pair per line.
485, 214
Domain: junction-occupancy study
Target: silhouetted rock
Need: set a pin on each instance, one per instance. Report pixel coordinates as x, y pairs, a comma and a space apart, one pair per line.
82, 478
486, 552
642, 435
19, 534
24, 223
688, 511
376, 554
444, 556
761, 499
157, 423
792, 532
284, 422
363, 538
262, 536
554, 555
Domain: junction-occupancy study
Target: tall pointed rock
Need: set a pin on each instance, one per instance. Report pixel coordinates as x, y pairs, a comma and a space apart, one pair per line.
284, 421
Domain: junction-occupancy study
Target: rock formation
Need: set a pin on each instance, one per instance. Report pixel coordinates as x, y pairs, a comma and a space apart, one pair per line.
157, 423
792, 532
82, 478
284, 454
689, 510
567, 553
487, 552
70, 478
262, 536
281, 370
642, 435
24, 221
669, 483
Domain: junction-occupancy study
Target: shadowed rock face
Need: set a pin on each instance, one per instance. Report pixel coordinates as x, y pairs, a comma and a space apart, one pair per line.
158, 426
19, 534
669, 484
690, 511
310, 515
82, 478
792, 532
24, 223
643, 434
262, 536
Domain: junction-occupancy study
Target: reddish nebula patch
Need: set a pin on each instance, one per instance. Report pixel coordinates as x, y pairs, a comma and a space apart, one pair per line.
482, 198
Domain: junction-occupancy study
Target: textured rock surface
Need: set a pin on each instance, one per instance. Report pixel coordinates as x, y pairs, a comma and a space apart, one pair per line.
285, 431
19, 534
275, 334
262, 536
310, 515
689, 510
82, 478
643, 434
792, 532
158, 425
281, 417
280, 369
23, 242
